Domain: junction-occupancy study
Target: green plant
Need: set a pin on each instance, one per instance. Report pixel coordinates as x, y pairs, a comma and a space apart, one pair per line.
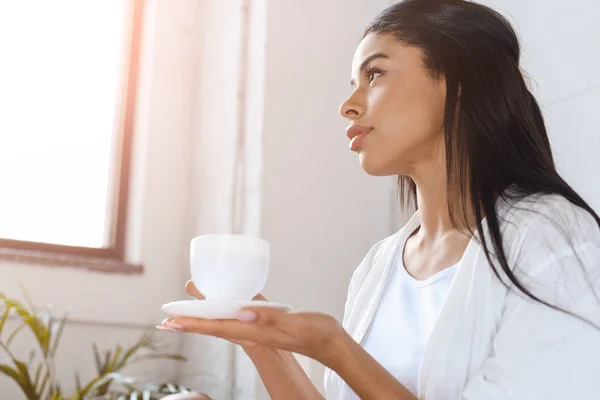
36, 376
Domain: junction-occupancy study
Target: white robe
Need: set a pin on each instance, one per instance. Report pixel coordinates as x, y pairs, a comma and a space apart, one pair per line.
491, 343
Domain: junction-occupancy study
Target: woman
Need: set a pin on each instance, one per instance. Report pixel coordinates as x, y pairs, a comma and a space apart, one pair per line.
492, 289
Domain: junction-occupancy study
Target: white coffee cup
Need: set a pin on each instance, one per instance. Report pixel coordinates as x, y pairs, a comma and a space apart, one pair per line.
225, 266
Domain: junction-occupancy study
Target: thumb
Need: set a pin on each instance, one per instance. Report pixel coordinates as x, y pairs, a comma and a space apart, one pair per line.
191, 289
259, 297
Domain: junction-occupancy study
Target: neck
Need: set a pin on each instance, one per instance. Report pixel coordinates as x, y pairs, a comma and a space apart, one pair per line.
432, 197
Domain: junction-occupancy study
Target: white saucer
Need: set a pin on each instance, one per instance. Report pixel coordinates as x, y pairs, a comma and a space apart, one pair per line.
216, 309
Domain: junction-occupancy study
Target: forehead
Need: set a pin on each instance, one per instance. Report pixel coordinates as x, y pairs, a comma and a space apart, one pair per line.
375, 43
387, 44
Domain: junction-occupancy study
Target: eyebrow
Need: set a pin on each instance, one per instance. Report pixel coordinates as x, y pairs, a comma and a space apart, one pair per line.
366, 62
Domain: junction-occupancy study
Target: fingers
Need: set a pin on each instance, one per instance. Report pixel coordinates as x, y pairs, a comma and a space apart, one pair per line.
262, 316
190, 288
249, 321
226, 329
266, 327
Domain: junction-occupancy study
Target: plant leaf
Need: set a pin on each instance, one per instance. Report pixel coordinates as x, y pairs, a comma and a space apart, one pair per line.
37, 376
77, 382
10, 371
48, 332
14, 333
56, 396
24, 371
31, 356
45, 381
163, 356
97, 358
27, 298
172, 388
145, 341
61, 326
112, 365
5, 314
21, 376
107, 356
20, 381
102, 380
33, 322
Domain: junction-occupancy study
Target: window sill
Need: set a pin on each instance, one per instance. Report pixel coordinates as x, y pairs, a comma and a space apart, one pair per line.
94, 264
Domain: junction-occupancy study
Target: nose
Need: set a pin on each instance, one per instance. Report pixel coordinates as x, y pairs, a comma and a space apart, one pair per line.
352, 108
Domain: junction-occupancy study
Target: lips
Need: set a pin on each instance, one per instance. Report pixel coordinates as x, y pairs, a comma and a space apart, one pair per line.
356, 134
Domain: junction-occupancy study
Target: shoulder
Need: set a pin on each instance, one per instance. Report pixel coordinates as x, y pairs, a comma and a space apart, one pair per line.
555, 252
382, 249
547, 220
378, 251
371, 270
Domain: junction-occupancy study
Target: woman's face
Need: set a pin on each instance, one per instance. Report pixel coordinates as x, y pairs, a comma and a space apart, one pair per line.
396, 108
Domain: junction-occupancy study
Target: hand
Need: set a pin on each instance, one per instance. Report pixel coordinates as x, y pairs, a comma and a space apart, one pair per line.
312, 334
191, 289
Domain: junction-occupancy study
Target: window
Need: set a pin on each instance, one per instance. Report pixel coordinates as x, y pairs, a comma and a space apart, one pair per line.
67, 99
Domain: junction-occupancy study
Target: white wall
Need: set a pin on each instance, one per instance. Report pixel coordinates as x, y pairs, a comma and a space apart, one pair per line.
321, 213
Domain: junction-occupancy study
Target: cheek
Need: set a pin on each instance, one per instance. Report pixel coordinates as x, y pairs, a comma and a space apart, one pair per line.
407, 125
408, 117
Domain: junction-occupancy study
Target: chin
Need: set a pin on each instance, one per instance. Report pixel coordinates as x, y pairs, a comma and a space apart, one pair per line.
373, 165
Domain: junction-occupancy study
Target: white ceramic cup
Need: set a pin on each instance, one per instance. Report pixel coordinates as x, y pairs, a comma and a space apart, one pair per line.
231, 267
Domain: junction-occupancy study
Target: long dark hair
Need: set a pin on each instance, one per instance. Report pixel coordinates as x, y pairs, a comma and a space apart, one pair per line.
494, 130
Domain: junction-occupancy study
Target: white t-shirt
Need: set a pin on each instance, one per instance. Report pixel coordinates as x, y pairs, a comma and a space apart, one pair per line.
406, 315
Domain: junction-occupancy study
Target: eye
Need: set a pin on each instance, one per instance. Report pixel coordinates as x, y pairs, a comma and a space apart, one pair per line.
372, 73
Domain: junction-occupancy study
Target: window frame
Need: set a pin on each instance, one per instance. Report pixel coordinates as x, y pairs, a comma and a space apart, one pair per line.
111, 258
